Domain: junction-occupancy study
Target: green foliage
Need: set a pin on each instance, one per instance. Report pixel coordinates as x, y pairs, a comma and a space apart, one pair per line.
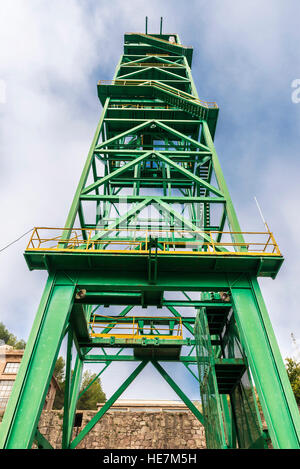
10, 339
93, 395
89, 400
59, 397
293, 371
59, 370
59, 373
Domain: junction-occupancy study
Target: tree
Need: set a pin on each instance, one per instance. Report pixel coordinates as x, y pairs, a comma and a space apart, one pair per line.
93, 395
90, 398
293, 371
59, 370
59, 373
10, 339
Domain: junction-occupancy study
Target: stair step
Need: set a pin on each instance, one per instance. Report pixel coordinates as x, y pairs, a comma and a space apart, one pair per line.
228, 375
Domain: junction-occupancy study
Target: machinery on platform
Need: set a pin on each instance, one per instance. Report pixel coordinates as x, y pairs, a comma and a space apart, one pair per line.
152, 224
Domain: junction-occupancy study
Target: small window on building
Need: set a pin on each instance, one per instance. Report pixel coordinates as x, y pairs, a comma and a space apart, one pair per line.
12, 368
5, 391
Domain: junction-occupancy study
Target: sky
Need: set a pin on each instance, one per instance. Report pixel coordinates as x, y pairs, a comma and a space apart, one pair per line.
246, 58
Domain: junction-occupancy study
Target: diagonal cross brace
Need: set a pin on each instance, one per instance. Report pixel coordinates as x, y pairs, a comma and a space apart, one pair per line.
181, 135
189, 174
116, 173
178, 391
108, 404
185, 222
124, 134
120, 220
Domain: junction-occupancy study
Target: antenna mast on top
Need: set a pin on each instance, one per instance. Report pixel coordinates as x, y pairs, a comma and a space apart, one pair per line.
160, 28
259, 209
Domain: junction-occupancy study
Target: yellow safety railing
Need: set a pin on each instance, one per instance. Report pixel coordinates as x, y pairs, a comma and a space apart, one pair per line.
160, 39
151, 327
139, 106
163, 87
136, 241
158, 55
153, 64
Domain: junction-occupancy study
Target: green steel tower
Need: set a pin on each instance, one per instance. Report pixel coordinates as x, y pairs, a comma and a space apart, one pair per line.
152, 228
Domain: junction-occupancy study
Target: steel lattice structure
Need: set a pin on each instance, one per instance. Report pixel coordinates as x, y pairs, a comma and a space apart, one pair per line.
156, 228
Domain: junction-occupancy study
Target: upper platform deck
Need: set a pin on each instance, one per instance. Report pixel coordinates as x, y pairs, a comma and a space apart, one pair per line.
133, 249
166, 43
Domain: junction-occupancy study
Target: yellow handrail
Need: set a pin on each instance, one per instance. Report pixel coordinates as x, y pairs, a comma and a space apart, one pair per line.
152, 64
160, 39
117, 327
162, 86
187, 242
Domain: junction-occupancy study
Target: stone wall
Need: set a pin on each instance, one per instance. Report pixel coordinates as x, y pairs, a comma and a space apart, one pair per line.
131, 430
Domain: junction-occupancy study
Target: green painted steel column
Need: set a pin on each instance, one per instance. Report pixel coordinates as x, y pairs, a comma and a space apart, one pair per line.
67, 397
32, 382
275, 394
75, 203
229, 425
231, 214
74, 392
21, 376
